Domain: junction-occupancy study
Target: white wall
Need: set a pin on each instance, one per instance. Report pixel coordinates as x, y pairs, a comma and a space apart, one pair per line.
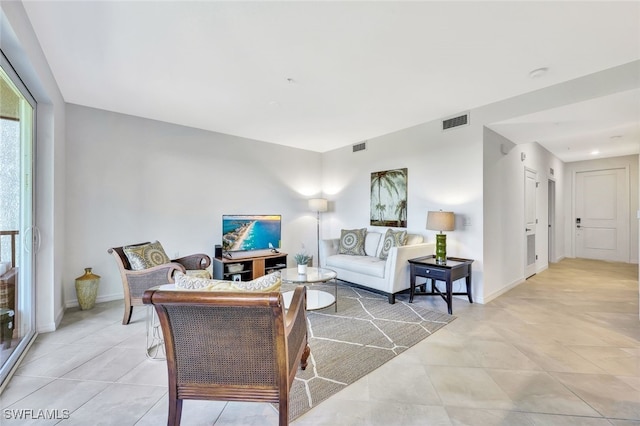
20, 45
442, 174
504, 236
132, 180
630, 162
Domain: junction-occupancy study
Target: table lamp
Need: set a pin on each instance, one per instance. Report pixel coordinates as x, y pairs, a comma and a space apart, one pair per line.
318, 205
441, 221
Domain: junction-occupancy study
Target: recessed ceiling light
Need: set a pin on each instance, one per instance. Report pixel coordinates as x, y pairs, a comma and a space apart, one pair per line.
539, 72
595, 152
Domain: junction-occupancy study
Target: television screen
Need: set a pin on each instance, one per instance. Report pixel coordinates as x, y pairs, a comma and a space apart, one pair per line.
250, 232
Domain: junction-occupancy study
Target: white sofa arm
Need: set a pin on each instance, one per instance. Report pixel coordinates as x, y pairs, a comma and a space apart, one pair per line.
397, 266
328, 248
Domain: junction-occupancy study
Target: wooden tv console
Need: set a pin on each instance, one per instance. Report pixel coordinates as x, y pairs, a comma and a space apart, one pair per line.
252, 267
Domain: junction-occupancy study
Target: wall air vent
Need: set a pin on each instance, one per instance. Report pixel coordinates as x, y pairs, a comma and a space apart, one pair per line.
360, 146
450, 123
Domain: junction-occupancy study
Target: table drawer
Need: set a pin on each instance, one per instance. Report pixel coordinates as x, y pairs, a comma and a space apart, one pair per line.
427, 272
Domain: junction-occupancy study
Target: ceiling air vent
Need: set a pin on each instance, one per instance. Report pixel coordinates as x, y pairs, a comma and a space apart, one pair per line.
360, 146
450, 123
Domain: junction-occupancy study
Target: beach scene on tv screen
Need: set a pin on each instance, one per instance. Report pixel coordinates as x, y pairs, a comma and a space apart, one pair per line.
241, 233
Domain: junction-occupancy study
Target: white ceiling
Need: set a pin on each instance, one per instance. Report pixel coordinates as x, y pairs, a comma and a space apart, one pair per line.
607, 126
322, 75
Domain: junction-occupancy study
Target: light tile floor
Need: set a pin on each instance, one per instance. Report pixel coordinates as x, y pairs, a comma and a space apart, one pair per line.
563, 348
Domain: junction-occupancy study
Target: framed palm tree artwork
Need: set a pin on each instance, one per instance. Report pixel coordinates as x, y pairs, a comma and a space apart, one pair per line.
389, 198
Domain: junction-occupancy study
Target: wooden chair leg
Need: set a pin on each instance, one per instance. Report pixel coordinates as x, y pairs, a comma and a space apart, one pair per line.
175, 412
283, 411
128, 310
305, 356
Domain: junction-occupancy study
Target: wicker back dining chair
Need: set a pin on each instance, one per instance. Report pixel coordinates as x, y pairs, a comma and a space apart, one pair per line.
135, 283
231, 346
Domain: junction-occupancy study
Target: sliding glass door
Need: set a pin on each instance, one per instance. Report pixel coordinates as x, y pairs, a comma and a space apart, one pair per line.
18, 236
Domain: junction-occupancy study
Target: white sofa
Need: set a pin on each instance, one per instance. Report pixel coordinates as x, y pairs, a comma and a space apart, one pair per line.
388, 276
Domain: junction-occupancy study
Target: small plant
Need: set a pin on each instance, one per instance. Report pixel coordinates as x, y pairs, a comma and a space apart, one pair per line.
302, 258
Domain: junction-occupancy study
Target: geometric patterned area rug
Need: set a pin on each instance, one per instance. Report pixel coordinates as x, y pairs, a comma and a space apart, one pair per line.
365, 333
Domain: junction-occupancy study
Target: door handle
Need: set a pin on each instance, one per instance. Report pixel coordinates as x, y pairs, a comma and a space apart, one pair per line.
527, 229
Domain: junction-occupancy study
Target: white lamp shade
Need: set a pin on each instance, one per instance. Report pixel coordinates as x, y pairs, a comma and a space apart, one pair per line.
318, 205
441, 221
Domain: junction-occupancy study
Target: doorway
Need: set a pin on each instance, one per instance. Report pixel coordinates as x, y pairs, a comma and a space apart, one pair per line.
601, 214
530, 222
552, 221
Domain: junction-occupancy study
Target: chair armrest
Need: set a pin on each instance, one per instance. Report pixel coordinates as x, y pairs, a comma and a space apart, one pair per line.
328, 248
139, 281
295, 329
298, 304
194, 261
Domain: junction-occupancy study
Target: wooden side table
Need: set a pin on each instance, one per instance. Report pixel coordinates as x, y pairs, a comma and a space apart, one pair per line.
456, 268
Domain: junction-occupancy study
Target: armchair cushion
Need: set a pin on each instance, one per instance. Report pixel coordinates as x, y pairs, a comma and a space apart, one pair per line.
200, 273
266, 283
145, 256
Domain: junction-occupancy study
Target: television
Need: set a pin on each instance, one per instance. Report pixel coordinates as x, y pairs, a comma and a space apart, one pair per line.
250, 234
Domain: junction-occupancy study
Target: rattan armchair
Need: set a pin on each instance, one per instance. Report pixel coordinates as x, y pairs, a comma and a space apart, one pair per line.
227, 346
135, 283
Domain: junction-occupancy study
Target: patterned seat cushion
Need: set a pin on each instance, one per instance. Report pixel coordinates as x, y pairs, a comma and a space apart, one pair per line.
199, 273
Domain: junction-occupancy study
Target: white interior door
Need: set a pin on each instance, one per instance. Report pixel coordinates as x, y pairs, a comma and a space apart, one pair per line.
530, 222
602, 215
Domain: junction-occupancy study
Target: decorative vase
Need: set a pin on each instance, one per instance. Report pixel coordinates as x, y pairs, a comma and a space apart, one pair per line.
441, 249
87, 289
302, 269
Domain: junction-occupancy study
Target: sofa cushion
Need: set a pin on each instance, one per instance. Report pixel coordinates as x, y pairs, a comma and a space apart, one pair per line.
266, 283
372, 243
352, 241
392, 239
367, 265
146, 256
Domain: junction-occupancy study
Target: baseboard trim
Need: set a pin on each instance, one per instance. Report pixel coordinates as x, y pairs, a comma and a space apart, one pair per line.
503, 290
73, 303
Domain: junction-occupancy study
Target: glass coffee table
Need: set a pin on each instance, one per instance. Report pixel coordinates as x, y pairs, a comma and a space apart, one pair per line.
316, 299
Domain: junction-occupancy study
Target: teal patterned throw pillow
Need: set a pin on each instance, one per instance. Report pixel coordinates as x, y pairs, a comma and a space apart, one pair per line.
352, 241
392, 239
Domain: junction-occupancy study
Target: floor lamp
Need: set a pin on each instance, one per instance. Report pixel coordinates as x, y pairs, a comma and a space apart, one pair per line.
318, 205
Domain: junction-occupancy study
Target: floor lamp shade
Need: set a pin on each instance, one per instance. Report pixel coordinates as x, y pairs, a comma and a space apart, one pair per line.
318, 205
441, 221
